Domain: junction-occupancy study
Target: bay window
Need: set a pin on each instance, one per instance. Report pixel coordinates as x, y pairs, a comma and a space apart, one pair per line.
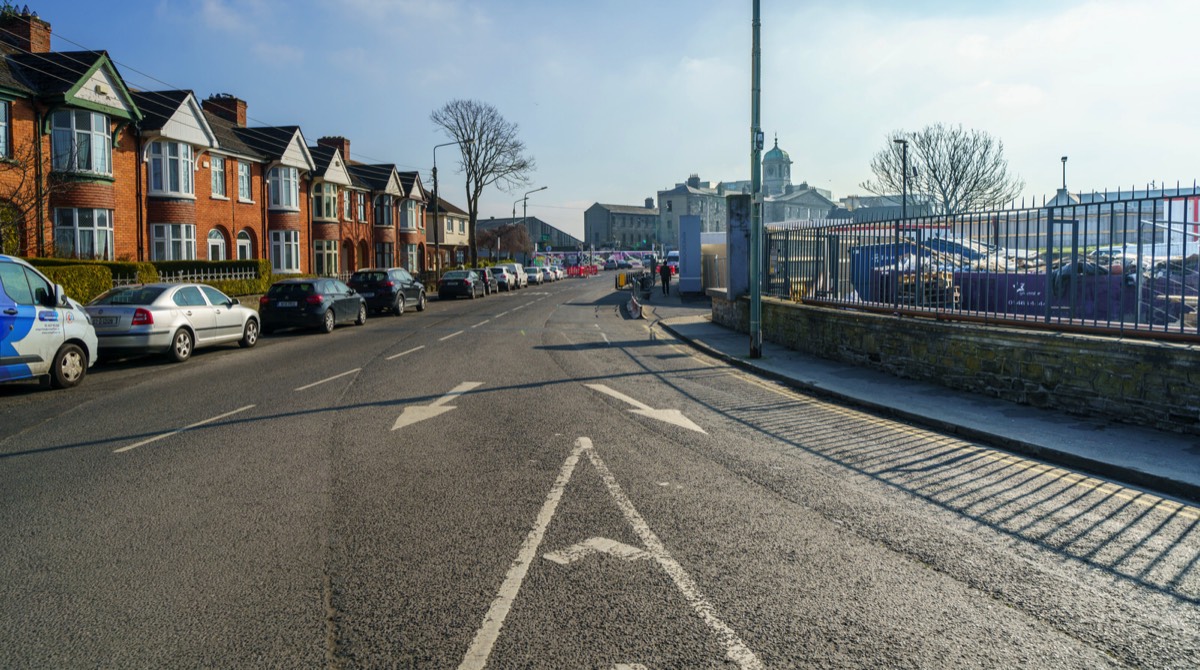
172, 169
285, 187
80, 142
285, 251
83, 233
410, 257
409, 221
384, 254
173, 242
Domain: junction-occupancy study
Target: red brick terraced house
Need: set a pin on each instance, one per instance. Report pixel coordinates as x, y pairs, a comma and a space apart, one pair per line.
411, 224
381, 189
67, 126
335, 184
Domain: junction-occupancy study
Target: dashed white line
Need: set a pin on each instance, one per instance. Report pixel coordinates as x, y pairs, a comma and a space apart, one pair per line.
348, 372
185, 428
405, 353
481, 323
502, 314
450, 336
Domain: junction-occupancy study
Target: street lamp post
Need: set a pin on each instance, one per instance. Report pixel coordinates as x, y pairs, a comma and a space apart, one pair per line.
1064, 162
525, 204
437, 206
904, 188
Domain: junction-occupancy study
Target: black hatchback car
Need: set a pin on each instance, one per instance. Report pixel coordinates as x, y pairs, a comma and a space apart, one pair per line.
392, 289
312, 303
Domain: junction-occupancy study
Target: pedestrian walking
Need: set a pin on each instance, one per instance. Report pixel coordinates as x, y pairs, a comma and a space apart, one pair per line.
665, 273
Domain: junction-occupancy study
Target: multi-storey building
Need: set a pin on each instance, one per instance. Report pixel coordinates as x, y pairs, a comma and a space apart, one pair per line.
622, 226
452, 239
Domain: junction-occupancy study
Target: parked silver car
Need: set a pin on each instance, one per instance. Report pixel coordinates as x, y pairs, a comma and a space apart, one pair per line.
173, 319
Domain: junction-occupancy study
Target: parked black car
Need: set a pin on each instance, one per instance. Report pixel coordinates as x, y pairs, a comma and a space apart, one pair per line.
393, 289
312, 303
489, 285
460, 282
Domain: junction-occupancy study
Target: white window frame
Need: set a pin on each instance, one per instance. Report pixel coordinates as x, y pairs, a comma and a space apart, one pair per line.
449, 225
97, 227
5, 143
216, 243
219, 178
410, 258
74, 148
173, 242
324, 201
326, 255
245, 246
347, 205
385, 254
284, 187
362, 206
408, 217
172, 169
285, 251
245, 182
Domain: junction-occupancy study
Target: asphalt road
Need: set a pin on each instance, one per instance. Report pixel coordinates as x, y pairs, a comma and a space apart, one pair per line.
531, 480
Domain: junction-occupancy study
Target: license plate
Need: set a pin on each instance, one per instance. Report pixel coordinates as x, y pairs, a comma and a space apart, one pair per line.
368, 294
286, 303
105, 320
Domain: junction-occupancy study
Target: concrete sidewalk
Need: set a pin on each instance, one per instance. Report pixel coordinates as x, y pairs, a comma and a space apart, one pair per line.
1167, 463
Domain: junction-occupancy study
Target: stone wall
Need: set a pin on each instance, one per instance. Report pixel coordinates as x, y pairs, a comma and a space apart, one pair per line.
1134, 381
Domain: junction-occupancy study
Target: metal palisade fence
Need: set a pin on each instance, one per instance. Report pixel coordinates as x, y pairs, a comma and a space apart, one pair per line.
1124, 263
196, 276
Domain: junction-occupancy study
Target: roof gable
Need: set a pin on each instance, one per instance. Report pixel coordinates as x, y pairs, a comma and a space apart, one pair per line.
85, 79
329, 166
378, 178
284, 144
413, 189
176, 115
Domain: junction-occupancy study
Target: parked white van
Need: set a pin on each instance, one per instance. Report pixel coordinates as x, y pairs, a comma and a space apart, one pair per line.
42, 331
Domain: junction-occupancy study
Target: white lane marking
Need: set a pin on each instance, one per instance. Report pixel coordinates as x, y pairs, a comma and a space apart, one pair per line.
596, 545
502, 314
481, 323
185, 428
629, 666
735, 649
417, 413
605, 336
618, 395
450, 336
405, 353
348, 372
481, 647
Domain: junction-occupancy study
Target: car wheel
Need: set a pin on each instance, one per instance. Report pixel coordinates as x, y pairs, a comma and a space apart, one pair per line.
362, 315
249, 334
181, 345
70, 366
327, 322
421, 302
398, 306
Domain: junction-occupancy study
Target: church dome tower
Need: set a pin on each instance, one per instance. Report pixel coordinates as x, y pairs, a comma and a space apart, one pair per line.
777, 170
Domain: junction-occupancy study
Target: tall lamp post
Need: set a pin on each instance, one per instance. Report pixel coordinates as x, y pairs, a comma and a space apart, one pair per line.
525, 204
1064, 161
437, 206
756, 145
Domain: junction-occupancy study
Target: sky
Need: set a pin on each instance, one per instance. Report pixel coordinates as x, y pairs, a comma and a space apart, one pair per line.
618, 99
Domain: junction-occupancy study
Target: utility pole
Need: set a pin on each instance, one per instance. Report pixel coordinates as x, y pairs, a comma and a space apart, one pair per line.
437, 207
756, 145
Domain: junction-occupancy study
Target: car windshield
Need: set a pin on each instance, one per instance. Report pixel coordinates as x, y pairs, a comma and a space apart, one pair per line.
130, 295
497, 271
364, 277
456, 274
290, 290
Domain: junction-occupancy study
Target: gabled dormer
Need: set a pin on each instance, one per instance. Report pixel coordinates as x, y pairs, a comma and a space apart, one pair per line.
412, 213
329, 177
174, 131
386, 190
288, 157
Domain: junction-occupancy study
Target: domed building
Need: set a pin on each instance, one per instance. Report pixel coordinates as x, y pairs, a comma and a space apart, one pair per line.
777, 170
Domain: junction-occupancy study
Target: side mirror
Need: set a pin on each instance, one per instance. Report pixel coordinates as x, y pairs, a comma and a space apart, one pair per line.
60, 297
234, 301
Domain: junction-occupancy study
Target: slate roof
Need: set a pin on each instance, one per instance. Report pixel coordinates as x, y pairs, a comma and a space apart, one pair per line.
322, 158
9, 79
372, 177
444, 207
55, 72
630, 209
270, 141
158, 106
407, 182
228, 139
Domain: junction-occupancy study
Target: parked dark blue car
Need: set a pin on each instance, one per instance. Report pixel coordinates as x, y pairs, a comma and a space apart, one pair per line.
310, 303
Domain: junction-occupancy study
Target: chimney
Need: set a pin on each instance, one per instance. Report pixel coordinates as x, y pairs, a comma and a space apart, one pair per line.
227, 107
340, 143
694, 181
649, 203
24, 31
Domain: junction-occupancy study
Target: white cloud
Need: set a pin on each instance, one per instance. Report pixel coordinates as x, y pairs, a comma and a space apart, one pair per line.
279, 55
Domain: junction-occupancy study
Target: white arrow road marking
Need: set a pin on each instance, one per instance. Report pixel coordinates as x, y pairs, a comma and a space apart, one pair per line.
671, 416
735, 649
181, 430
416, 413
597, 545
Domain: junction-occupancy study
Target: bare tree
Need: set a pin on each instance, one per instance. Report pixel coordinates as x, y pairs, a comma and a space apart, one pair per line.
510, 238
951, 168
23, 200
495, 155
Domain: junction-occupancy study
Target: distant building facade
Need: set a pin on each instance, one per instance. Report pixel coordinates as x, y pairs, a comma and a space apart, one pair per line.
623, 226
